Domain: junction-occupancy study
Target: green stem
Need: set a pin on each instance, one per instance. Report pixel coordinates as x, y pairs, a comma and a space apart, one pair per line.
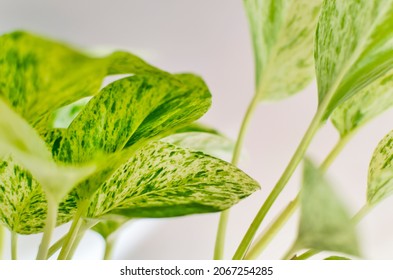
14, 245
2, 239
290, 253
49, 227
73, 232
109, 247
80, 235
272, 230
294, 162
337, 149
281, 220
306, 255
222, 225
56, 246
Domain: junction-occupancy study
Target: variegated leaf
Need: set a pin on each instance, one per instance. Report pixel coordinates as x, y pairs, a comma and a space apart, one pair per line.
211, 144
380, 173
354, 48
38, 75
21, 141
283, 35
23, 205
364, 106
162, 180
324, 221
131, 110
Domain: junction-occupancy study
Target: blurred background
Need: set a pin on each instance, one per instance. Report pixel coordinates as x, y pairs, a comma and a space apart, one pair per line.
210, 38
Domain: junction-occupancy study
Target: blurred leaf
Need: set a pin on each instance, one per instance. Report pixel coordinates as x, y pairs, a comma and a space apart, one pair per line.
162, 180
26, 147
380, 172
211, 144
38, 75
283, 35
362, 107
106, 227
324, 222
344, 69
337, 258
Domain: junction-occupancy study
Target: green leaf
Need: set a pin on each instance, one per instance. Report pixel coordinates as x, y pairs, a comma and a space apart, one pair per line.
353, 48
132, 110
198, 127
362, 107
21, 141
22, 202
211, 144
380, 172
283, 35
38, 75
324, 222
107, 227
162, 180
336, 258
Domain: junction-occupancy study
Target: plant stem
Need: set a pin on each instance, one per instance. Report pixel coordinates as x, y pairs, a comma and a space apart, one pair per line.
290, 253
72, 233
275, 227
361, 214
306, 255
337, 149
49, 227
81, 233
222, 225
272, 230
294, 162
2, 239
109, 247
14, 245
56, 246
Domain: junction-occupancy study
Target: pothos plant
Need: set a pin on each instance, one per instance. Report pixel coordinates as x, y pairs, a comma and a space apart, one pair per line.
97, 156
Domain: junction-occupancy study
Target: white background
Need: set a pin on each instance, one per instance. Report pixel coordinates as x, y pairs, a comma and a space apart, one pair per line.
210, 38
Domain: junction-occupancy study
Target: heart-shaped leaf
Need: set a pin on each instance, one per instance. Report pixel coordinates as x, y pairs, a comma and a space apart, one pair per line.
162, 180
324, 221
211, 144
362, 107
380, 173
283, 35
353, 48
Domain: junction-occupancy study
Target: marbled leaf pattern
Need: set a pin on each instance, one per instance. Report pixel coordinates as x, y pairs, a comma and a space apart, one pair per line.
283, 35
354, 48
211, 144
38, 75
380, 173
162, 180
364, 106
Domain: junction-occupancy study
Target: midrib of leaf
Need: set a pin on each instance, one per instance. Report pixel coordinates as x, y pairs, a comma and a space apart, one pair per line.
273, 54
358, 51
